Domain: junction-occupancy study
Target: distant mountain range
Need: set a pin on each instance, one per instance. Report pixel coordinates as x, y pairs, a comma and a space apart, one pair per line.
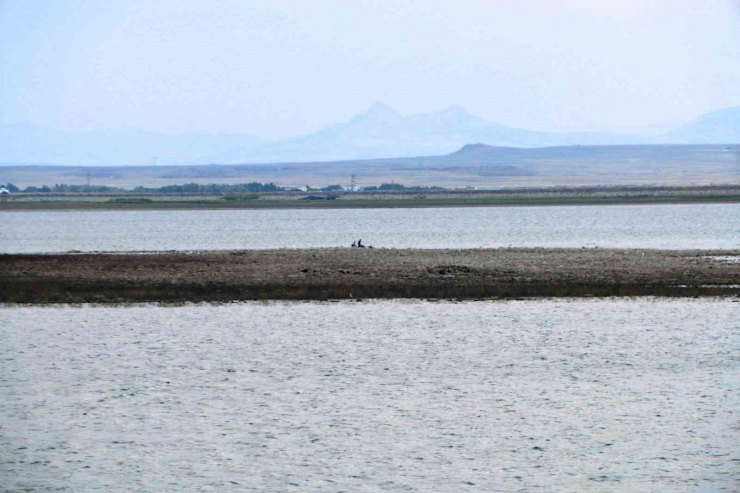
378, 133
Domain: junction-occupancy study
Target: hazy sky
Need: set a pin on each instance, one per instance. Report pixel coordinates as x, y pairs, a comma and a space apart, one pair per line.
280, 68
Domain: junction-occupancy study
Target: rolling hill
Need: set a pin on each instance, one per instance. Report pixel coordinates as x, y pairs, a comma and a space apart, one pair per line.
471, 165
717, 127
378, 133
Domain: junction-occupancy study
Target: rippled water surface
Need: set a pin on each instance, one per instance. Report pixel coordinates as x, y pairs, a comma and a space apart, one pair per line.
702, 226
598, 396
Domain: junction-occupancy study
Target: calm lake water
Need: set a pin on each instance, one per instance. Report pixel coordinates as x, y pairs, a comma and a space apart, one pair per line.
702, 226
553, 396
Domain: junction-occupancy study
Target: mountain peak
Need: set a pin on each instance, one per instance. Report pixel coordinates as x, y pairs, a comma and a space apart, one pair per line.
455, 109
380, 108
455, 114
473, 149
378, 114
476, 146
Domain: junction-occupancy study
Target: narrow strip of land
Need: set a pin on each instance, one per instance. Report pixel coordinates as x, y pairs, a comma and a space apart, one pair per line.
347, 273
358, 204
553, 196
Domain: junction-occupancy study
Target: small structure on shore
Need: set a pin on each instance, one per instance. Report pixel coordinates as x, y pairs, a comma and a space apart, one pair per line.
353, 187
4, 191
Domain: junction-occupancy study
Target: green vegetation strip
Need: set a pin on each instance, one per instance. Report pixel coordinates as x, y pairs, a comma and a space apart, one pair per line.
254, 202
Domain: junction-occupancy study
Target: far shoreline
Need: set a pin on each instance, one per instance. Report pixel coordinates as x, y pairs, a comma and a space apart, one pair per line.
72, 203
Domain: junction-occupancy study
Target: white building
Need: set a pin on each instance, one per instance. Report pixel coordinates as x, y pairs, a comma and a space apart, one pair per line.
4, 191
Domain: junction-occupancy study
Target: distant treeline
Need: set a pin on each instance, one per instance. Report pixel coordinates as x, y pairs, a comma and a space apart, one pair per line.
63, 188
186, 188
398, 186
252, 187
383, 187
213, 188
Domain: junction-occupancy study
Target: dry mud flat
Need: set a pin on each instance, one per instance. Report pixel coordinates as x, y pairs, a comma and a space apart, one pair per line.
345, 273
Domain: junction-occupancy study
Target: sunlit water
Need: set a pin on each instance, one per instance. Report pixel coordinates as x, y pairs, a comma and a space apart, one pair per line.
702, 226
599, 396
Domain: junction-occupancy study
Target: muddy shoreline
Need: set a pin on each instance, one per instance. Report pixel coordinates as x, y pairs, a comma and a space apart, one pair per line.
347, 273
